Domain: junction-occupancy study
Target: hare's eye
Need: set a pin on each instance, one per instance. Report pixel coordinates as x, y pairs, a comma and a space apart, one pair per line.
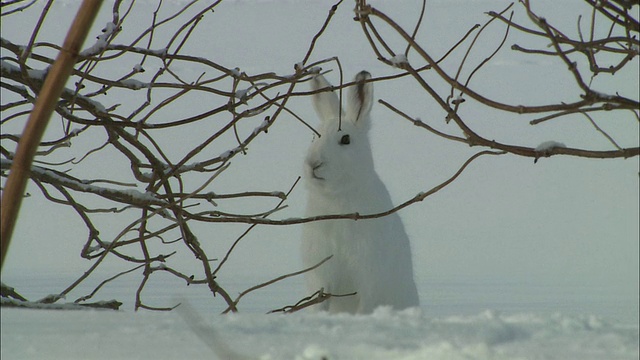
345, 140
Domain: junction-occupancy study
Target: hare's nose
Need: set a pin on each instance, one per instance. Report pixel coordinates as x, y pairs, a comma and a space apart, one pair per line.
315, 166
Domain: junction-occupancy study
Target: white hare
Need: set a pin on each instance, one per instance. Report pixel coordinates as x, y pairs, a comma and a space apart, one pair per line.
370, 257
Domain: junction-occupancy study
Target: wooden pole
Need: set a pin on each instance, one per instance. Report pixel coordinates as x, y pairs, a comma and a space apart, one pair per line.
38, 119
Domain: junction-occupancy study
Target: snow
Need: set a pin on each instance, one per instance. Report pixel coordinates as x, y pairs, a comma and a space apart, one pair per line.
138, 195
315, 70
98, 106
241, 94
454, 322
262, 127
101, 42
134, 84
95, 49
5, 66
229, 153
225, 155
385, 334
548, 145
236, 72
399, 59
80, 185
159, 52
37, 74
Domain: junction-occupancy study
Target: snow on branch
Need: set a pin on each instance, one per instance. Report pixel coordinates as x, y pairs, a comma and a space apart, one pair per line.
132, 197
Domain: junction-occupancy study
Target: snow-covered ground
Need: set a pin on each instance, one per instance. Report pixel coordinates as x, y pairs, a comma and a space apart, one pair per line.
514, 261
45, 334
456, 321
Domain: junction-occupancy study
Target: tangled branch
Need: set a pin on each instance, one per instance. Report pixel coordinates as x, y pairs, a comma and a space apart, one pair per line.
626, 44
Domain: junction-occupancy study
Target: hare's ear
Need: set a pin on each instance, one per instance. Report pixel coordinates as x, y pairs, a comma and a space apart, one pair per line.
360, 99
327, 103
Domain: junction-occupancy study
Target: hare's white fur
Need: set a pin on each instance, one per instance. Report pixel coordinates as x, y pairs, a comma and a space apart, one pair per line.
370, 257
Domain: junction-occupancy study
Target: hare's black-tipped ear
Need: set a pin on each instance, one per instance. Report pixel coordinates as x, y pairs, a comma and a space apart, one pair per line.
360, 99
326, 103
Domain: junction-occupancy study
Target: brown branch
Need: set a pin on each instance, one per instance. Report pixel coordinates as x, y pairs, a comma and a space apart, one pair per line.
332, 12
352, 216
273, 281
16, 183
314, 299
589, 98
474, 139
